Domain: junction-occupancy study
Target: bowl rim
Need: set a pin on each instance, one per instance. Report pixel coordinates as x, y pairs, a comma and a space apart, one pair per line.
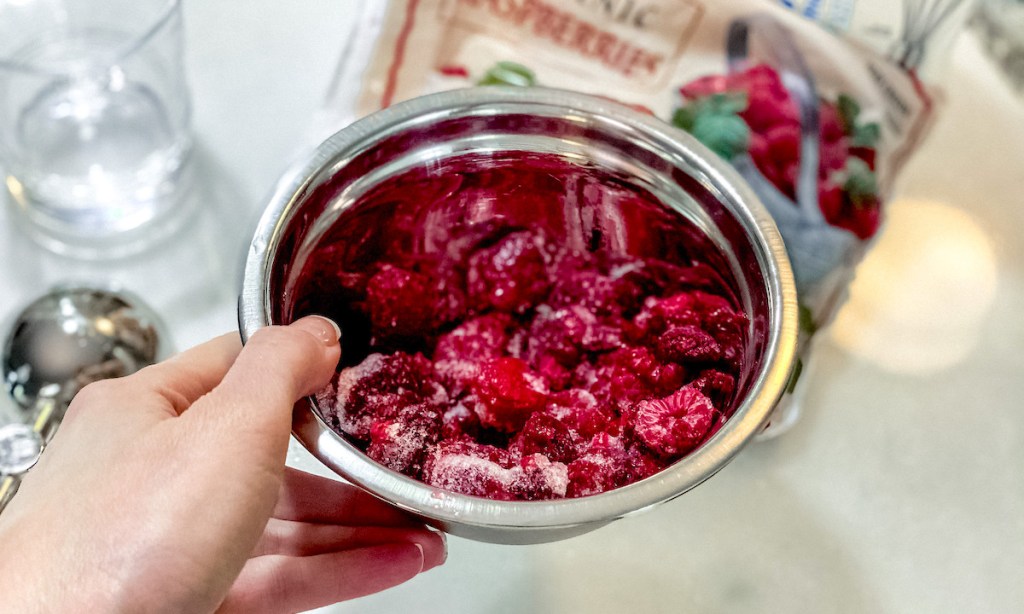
448, 508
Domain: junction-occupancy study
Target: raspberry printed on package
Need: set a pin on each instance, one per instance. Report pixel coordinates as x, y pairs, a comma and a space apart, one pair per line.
817, 104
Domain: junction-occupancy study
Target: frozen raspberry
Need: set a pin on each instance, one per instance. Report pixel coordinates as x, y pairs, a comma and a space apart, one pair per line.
606, 465
686, 344
727, 326
547, 435
555, 375
377, 388
400, 443
664, 278
717, 386
559, 333
540, 478
654, 377
565, 334
660, 313
508, 393
460, 419
401, 303
580, 412
518, 342
600, 295
458, 354
675, 424
509, 276
470, 468
682, 309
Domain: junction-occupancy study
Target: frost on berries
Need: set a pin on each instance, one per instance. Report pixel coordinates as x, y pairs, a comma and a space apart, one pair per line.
535, 371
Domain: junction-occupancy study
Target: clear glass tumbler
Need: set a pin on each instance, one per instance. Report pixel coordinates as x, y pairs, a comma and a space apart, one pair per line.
94, 118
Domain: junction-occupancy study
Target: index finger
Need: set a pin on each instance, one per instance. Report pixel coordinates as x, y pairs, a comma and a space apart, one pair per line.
185, 377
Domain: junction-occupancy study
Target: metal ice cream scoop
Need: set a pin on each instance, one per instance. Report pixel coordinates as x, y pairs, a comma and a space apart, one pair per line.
58, 344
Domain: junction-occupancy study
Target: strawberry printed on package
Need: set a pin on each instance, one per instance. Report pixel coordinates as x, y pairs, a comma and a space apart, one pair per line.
817, 104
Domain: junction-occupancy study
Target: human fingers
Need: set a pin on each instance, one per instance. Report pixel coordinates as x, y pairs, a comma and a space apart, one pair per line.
310, 498
168, 387
308, 539
185, 377
249, 412
273, 584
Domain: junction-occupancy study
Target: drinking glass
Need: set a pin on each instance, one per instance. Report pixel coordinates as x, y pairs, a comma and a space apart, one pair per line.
94, 119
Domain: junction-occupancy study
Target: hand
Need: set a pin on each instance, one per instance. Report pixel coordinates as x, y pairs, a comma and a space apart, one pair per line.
167, 491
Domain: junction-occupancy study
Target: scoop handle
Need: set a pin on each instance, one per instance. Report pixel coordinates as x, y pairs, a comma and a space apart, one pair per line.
8, 487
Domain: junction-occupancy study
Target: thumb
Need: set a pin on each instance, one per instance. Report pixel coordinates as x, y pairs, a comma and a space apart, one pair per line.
250, 410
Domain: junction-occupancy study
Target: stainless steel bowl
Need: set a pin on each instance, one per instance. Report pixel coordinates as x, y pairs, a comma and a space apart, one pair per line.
689, 179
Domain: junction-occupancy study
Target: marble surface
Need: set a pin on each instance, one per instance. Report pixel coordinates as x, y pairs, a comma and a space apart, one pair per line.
900, 490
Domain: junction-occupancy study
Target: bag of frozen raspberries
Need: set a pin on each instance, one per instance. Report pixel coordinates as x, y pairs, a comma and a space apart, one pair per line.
817, 104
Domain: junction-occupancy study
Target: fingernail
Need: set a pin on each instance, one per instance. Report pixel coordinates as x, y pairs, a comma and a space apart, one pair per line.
437, 555
423, 560
320, 327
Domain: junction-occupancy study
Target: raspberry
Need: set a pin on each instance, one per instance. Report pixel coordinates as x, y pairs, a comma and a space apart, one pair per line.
727, 327
831, 124
460, 419
600, 295
470, 468
555, 375
675, 424
400, 443
628, 375
658, 314
509, 276
565, 334
508, 393
606, 465
559, 334
401, 303
705, 86
768, 101
664, 277
832, 158
458, 354
377, 388
759, 151
685, 344
540, 478
717, 386
547, 435
865, 217
580, 412
830, 201
783, 144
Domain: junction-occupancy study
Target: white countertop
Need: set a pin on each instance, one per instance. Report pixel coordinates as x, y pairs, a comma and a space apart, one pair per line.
901, 489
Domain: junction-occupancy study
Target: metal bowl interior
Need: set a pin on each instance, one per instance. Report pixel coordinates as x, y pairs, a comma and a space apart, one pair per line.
602, 136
